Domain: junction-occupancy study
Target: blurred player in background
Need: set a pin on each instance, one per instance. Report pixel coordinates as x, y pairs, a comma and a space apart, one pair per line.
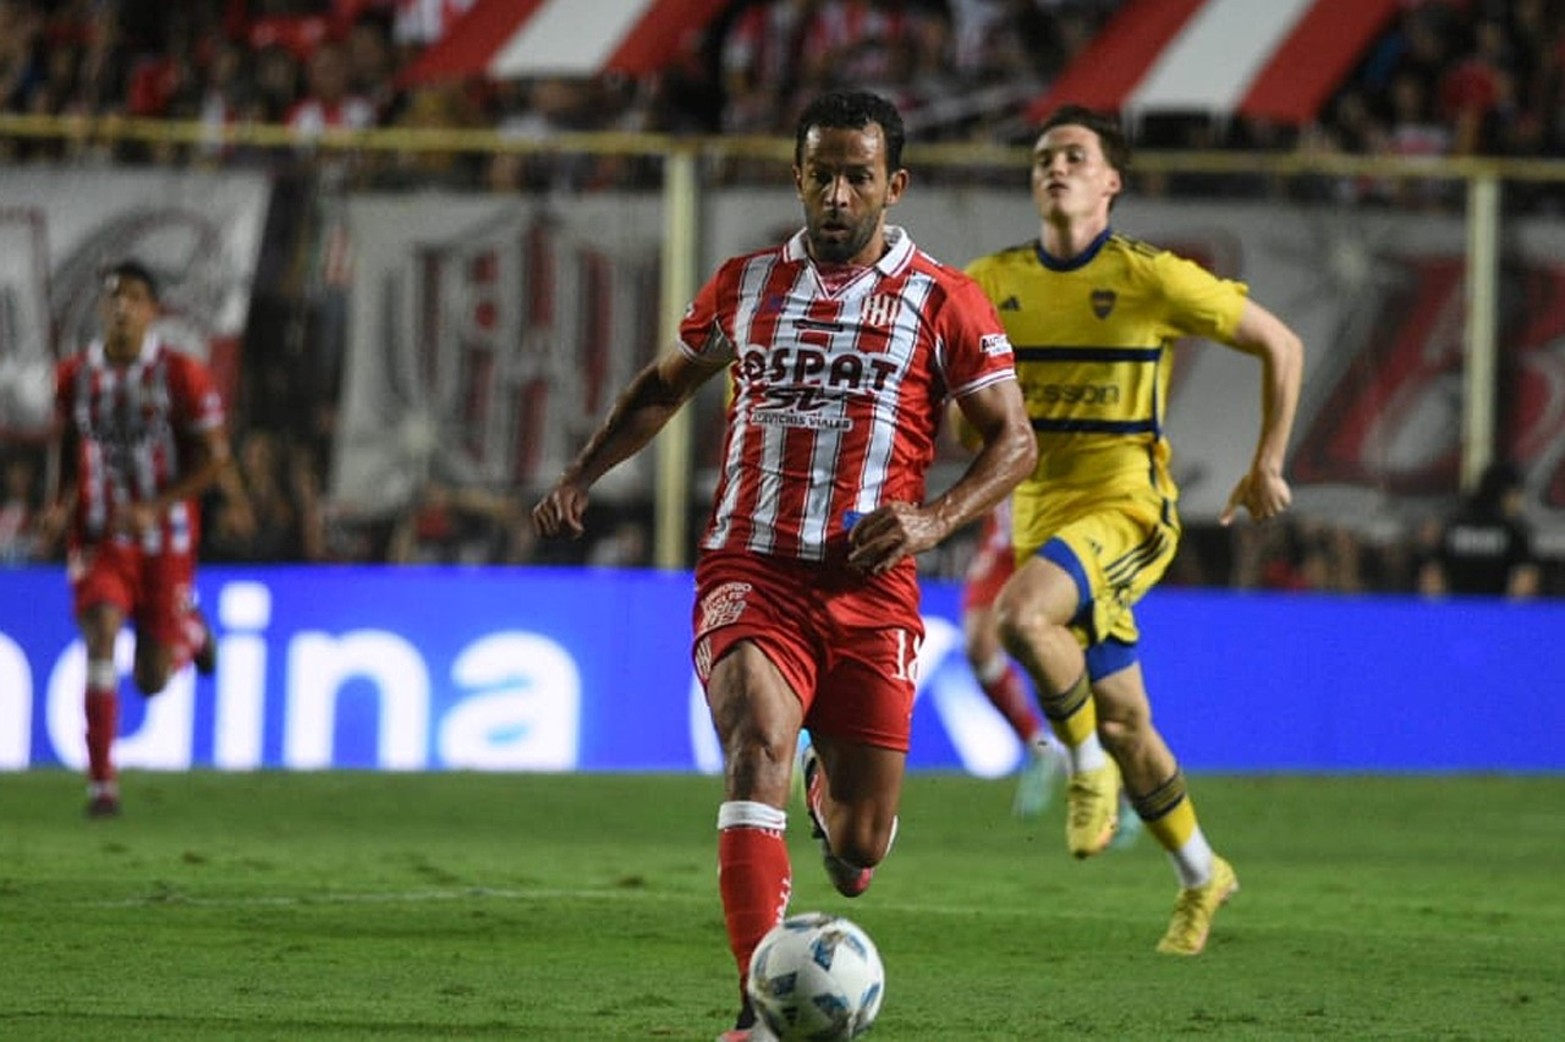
1094, 317
841, 346
992, 563
139, 436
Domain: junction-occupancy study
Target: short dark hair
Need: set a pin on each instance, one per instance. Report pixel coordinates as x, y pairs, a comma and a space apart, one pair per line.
853, 110
134, 269
1111, 136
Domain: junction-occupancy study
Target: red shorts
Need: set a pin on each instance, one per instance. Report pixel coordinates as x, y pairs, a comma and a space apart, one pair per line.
846, 643
993, 562
153, 590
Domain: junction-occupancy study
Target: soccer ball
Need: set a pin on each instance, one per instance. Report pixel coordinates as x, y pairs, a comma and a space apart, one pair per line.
816, 977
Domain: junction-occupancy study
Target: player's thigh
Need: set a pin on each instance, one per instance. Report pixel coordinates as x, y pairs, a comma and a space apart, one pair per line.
748, 696
1039, 590
103, 592
164, 599
1114, 557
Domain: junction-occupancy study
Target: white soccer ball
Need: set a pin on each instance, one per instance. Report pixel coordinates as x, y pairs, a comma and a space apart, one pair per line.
816, 977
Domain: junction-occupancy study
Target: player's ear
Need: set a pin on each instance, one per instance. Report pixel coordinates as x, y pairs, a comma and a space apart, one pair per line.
896, 185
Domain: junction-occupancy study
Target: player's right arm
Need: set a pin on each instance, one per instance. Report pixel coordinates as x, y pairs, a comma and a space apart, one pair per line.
59, 470
651, 398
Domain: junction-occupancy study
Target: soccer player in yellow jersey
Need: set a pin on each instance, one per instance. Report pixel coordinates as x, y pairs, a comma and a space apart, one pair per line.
1093, 318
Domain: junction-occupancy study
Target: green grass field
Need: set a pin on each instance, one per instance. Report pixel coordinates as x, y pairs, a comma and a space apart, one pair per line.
375, 906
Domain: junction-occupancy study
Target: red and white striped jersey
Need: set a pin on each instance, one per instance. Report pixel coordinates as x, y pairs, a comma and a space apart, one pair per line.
837, 386
133, 424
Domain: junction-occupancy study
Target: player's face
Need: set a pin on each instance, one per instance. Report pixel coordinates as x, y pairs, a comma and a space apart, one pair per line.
128, 309
1071, 179
845, 187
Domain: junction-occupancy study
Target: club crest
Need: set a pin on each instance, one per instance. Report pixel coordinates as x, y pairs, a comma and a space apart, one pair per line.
1103, 302
880, 310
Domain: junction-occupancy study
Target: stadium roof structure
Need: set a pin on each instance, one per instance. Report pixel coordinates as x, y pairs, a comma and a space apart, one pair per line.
514, 39
1272, 59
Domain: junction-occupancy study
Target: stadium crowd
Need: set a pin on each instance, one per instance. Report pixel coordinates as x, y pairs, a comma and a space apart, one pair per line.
1448, 77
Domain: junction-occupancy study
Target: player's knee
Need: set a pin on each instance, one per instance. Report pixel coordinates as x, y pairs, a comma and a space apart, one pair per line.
1124, 728
152, 670
1021, 627
863, 842
150, 679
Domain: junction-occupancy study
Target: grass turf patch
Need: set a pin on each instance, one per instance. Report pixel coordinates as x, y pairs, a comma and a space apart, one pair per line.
388, 906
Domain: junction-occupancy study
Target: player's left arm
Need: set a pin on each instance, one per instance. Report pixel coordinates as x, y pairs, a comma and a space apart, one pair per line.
1264, 491
1006, 455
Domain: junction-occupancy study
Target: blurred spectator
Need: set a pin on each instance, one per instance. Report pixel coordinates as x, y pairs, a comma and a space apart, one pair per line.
278, 518
372, 65
277, 85
455, 525
1486, 547
19, 498
761, 58
627, 545
329, 103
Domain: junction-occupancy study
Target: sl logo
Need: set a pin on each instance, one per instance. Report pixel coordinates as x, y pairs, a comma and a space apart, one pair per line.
1103, 302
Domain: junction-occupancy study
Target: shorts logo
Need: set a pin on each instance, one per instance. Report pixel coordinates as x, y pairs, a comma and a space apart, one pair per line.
723, 606
880, 310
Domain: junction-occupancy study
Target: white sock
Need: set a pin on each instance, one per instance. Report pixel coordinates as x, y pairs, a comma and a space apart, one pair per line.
1088, 756
1193, 861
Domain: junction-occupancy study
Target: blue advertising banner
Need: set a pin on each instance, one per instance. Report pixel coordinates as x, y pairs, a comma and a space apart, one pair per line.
589, 670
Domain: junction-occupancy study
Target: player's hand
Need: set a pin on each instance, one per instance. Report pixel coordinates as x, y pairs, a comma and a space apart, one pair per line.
236, 521
135, 519
1264, 493
884, 536
49, 526
561, 510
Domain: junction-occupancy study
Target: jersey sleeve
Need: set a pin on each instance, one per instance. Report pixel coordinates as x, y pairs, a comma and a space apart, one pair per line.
197, 405
1198, 302
701, 332
976, 350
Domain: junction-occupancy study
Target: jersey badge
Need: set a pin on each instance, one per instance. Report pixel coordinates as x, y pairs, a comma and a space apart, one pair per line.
1103, 302
1010, 304
880, 310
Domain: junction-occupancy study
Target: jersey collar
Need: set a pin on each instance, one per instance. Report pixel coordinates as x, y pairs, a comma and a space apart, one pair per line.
96, 352
899, 248
1081, 259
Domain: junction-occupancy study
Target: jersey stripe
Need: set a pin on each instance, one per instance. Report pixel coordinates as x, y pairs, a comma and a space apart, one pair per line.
1050, 353
1149, 426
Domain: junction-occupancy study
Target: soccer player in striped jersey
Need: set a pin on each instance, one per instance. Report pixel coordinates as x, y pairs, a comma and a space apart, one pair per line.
139, 436
1094, 317
841, 346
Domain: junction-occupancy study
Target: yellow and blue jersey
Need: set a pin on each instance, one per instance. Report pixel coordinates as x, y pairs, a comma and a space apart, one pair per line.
1093, 339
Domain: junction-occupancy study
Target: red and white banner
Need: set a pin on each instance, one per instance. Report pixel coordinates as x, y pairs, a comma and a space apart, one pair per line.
199, 233
1274, 59
487, 338
508, 39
